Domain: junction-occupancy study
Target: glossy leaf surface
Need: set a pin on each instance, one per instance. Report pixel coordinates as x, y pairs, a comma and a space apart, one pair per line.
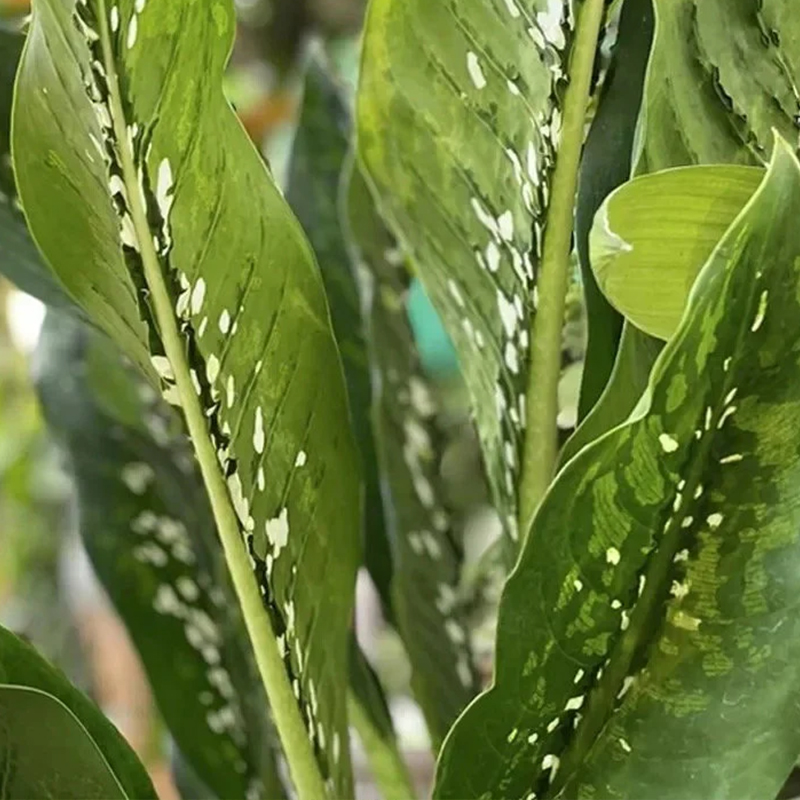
133, 169
652, 236
459, 116
672, 547
82, 756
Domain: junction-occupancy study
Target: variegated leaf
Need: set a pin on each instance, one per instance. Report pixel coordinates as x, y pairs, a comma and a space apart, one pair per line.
428, 555
149, 532
459, 119
661, 623
721, 76
157, 214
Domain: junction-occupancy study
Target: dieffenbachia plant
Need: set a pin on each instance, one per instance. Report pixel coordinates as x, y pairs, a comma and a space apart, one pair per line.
158, 217
646, 643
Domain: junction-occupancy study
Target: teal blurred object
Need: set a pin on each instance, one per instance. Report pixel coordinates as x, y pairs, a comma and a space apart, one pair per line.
435, 346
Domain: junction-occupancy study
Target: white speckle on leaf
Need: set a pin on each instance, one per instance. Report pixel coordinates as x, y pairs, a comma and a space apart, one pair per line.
301, 459
627, 683
230, 391
163, 368
261, 480
455, 632
624, 745
508, 315
612, 556
578, 584
553, 724
452, 287
714, 520
761, 313
624, 621
668, 443
258, 431
475, 71
551, 762
679, 589
616, 605
681, 555
278, 530
731, 459
224, 321
137, 476
188, 588
114, 19
550, 22
505, 224
240, 503
512, 736
492, 256
133, 29
680, 619
575, 703
687, 522
464, 672
198, 296
212, 369
512, 358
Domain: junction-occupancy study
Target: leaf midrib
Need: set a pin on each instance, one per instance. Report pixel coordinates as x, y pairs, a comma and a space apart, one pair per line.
303, 766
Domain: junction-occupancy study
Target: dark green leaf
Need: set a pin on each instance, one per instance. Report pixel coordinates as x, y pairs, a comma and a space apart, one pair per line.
54, 742
320, 151
427, 554
606, 163
148, 529
661, 624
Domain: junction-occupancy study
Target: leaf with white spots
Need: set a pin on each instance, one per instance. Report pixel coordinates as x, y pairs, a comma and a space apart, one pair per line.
150, 534
81, 755
664, 607
427, 552
158, 215
459, 122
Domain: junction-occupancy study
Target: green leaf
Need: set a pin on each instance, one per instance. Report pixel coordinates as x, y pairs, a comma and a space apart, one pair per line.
19, 259
459, 112
427, 554
672, 547
652, 236
149, 532
606, 163
320, 152
636, 356
721, 76
82, 754
155, 211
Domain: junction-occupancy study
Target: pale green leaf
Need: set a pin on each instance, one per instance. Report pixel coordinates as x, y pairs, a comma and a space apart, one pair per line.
652, 236
133, 170
459, 116
149, 532
672, 547
54, 742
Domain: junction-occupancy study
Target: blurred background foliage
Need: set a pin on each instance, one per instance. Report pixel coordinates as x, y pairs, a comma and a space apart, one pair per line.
47, 589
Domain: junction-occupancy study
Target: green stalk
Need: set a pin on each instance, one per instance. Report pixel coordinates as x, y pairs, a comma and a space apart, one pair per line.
541, 438
388, 768
285, 711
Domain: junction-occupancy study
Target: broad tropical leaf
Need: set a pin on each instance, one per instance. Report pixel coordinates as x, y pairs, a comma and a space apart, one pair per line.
149, 531
157, 214
82, 754
663, 617
459, 119
721, 76
427, 554
19, 259
318, 159
652, 236
606, 163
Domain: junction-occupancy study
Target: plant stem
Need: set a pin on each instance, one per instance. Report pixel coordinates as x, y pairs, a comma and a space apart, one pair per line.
388, 768
541, 439
285, 710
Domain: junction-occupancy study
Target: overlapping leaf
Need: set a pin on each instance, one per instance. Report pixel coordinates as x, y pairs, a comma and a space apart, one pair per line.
652, 236
721, 76
428, 556
661, 624
129, 160
459, 118
80, 755
150, 534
